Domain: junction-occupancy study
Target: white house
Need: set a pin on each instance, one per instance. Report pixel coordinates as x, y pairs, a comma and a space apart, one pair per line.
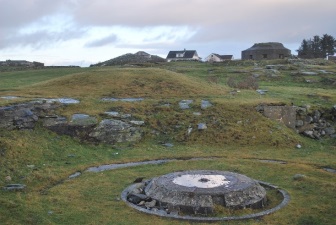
184, 55
213, 57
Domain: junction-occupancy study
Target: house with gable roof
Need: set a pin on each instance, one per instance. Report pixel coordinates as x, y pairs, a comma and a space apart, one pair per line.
184, 55
213, 57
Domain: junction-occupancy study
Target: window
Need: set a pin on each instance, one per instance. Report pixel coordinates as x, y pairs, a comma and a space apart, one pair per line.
264, 56
281, 56
179, 55
251, 56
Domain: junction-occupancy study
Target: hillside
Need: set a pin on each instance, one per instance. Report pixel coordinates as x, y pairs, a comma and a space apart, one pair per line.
130, 58
177, 111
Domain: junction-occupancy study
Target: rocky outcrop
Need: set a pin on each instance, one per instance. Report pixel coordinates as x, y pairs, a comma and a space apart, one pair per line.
314, 124
81, 126
25, 116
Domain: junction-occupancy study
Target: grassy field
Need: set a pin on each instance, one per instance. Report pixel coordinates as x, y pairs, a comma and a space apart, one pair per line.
236, 140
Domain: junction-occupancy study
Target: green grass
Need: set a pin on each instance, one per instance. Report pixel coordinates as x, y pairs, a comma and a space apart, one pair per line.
237, 136
15, 79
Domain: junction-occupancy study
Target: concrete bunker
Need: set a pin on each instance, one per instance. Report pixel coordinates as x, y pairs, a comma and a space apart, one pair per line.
194, 195
266, 51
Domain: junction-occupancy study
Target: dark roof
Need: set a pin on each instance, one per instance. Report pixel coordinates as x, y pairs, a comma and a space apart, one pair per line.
267, 45
223, 56
188, 54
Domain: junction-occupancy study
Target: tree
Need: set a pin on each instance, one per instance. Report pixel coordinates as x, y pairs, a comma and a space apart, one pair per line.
305, 50
317, 47
328, 45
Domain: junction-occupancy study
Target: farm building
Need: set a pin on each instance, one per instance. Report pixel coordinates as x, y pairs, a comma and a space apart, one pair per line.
269, 50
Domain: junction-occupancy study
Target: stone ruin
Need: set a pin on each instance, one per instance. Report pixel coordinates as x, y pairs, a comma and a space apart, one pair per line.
314, 124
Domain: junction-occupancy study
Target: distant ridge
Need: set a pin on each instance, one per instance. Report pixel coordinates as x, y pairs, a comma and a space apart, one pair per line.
129, 58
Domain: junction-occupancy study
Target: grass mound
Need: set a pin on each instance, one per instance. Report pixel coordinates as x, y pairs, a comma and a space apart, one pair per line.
149, 83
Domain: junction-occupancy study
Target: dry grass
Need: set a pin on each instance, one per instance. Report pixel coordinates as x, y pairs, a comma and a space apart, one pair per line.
148, 83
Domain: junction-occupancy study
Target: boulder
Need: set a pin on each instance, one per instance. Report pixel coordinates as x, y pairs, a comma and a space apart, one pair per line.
24, 116
329, 130
185, 104
112, 131
202, 126
205, 104
284, 114
78, 128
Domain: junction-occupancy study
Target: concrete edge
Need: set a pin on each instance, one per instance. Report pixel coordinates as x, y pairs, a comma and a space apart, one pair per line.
285, 201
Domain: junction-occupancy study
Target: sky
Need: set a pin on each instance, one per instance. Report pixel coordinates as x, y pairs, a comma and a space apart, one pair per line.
84, 32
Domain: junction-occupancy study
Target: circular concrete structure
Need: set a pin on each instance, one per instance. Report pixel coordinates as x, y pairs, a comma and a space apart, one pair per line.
198, 191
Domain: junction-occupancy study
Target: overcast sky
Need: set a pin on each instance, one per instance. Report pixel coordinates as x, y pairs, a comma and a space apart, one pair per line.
82, 32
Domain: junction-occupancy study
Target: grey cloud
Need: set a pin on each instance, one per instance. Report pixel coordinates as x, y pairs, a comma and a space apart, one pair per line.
17, 13
102, 42
213, 23
39, 38
239, 19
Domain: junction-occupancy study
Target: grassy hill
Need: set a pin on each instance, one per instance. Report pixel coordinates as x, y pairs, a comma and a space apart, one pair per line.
238, 138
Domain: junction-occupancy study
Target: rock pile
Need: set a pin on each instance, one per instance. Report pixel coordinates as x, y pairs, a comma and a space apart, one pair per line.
314, 124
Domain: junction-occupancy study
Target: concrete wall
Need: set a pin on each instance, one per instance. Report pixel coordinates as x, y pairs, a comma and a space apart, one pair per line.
269, 53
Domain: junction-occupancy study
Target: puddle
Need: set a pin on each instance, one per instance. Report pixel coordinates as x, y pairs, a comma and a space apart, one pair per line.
122, 99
